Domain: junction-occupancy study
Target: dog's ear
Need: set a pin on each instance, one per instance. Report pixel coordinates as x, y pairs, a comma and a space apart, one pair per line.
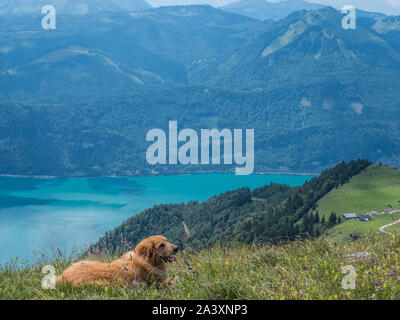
145, 249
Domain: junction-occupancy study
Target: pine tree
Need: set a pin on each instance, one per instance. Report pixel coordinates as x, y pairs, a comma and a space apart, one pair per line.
332, 219
316, 217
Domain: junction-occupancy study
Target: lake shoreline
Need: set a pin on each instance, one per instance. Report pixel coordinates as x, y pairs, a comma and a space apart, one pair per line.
271, 173
39, 214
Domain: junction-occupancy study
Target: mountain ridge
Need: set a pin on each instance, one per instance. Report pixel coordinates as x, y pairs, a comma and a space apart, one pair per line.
63, 7
133, 5
319, 95
318, 34
264, 10
71, 7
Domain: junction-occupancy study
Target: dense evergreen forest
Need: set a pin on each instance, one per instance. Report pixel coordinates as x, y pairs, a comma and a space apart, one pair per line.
272, 213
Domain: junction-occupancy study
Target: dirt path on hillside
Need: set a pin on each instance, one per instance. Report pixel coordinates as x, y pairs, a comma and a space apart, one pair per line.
382, 229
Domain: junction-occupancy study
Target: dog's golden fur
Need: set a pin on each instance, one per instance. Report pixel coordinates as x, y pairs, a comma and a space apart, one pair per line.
147, 263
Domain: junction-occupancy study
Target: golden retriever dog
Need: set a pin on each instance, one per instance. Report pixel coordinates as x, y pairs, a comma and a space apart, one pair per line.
147, 263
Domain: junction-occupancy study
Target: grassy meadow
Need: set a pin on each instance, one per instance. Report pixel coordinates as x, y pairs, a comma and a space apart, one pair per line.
375, 189
341, 231
310, 269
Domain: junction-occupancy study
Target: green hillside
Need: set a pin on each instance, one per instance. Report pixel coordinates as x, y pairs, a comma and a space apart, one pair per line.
341, 231
236, 215
375, 189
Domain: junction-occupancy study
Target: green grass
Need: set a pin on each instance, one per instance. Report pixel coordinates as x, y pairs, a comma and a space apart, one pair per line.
341, 231
376, 188
308, 269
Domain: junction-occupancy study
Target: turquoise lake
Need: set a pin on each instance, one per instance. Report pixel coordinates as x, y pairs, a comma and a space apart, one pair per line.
38, 215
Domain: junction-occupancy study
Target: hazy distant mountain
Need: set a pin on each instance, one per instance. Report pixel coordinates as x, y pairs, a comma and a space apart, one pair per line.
314, 93
133, 5
382, 6
313, 71
113, 53
372, 15
74, 7
262, 9
306, 45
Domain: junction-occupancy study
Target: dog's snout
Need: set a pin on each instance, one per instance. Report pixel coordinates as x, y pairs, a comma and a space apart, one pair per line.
175, 248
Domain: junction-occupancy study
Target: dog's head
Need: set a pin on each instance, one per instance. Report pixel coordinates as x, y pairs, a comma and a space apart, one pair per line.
156, 249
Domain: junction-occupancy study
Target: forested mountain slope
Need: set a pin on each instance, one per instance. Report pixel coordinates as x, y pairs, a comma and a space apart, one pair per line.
314, 93
238, 215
